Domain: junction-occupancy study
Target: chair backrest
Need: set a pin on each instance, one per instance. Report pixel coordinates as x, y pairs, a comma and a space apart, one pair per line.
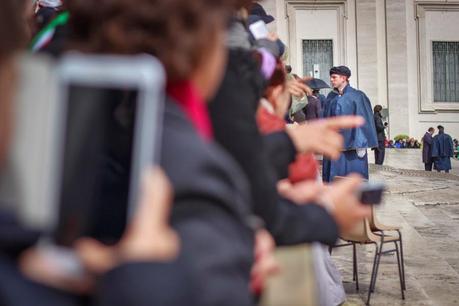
361, 233
373, 221
358, 234
376, 225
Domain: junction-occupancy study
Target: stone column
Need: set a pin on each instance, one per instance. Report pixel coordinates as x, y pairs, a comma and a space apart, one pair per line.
367, 53
398, 97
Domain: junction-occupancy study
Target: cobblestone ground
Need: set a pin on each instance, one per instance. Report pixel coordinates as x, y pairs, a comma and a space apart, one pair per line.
426, 205
409, 159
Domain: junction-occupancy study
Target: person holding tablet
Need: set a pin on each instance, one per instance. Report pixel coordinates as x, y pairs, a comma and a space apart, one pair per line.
126, 262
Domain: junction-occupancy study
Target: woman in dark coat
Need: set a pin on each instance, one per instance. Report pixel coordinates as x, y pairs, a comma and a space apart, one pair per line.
427, 142
380, 151
211, 203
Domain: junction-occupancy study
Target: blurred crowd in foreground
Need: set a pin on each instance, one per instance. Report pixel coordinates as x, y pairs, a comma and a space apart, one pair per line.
235, 179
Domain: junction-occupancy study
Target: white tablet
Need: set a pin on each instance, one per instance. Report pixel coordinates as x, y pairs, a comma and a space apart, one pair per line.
107, 133
85, 129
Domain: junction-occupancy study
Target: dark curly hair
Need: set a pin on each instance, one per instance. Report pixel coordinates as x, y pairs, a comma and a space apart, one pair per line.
377, 108
12, 26
175, 31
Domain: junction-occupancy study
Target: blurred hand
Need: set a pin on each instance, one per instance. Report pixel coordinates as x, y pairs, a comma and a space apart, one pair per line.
322, 136
298, 89
301, 193
40, 265
265, 264
345, 207
149, 236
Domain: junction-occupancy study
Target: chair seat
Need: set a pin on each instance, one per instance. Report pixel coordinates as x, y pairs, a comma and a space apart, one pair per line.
371, 239
383, 227
362, 234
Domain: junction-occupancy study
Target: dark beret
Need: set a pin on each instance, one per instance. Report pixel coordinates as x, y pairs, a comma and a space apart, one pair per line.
341, 70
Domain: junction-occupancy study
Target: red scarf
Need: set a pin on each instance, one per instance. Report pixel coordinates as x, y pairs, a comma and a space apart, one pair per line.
187, 96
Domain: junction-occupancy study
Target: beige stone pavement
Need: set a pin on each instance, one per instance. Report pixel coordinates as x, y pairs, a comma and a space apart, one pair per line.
426, 205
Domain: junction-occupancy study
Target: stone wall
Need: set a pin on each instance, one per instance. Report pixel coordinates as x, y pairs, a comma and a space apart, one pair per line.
397, 67
386, 56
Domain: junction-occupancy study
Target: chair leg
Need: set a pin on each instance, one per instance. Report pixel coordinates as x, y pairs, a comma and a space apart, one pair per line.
353, 262
356, 270
372, 274
378, 261
402, 259
399, 270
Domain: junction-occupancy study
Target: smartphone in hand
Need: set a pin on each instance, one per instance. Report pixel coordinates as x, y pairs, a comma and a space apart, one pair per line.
371, 193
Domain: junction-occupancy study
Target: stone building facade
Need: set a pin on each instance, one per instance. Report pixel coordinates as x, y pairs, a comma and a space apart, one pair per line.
403, 53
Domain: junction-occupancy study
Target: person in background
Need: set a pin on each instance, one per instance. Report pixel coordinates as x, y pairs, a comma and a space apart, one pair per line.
427, 142
313, 109
410, 143
273, 107
442, 150
413, 144
299, 116
46, 10
380, 151
304, 171
386, 131
288, 70
265, 159
401, 144
316, 93
456, 148
345, 100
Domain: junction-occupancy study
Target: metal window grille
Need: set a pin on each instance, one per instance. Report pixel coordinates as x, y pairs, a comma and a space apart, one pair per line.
318, 54
446, 71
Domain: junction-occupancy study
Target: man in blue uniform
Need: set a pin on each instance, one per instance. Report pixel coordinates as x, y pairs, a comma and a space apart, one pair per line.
343, 101
442, 150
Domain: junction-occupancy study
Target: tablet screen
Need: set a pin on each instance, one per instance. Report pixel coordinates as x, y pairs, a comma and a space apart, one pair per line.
96, 164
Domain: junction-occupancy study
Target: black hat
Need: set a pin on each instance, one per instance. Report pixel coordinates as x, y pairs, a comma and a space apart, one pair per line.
341, 70
259, 11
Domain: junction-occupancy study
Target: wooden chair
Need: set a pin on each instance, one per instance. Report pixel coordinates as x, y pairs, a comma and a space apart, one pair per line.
374, 232
362, 234
381, 229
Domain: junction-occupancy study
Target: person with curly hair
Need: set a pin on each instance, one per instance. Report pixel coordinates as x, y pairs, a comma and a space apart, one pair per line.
211, 210
211, 203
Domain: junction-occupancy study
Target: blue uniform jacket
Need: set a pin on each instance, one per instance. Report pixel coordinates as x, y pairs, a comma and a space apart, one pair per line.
353, 102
